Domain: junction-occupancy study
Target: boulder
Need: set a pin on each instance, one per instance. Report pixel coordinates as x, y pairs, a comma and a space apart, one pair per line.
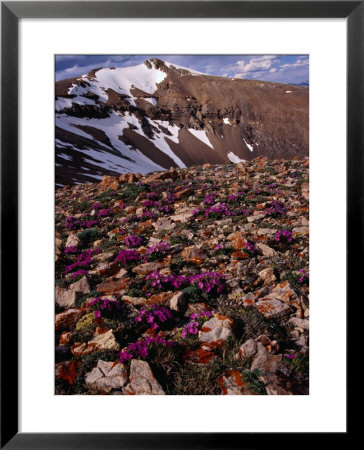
216, 330
103, 341
272, 308
136, 301
265, 361
141, 380
231, 383
248, 349
299, 323
108, 182
163, 223
300, 231
257, 215
112, 287
182, 216
67, 320
193, 254
267, 275
127, 178
107, 376
81, 286
266, 250
73, 240
178, 302
305, 189
144, 269
66, 298
285, 293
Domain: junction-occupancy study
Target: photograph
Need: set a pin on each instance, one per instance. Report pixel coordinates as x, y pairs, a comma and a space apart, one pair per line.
181, 224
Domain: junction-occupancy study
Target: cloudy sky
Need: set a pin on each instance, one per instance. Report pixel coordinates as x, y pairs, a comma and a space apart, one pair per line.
278, 68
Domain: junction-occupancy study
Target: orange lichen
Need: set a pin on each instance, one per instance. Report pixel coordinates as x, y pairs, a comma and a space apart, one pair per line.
69, 371
199, 356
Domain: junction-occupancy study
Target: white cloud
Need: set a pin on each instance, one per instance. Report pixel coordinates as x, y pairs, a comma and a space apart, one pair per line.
76, 71
253, 65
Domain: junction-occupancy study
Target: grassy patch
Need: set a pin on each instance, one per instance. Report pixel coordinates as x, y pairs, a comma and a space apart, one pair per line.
89, 235
251, 377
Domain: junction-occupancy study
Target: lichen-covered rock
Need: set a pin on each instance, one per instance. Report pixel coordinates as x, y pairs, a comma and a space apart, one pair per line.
216, 330
103, 341
67, 320
231, 383
248, 349
146, 268
193, 254
272, 308
265, 361
200, 356
267, 275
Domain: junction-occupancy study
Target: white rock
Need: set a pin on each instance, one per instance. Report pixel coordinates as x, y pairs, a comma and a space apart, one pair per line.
249, 348
299, 323
266, 250
104, 341
65, 298
141, 380
72, 241
177, 302
219, 328
267, 275
106, 376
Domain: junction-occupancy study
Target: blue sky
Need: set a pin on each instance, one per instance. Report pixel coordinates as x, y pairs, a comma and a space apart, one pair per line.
277, 68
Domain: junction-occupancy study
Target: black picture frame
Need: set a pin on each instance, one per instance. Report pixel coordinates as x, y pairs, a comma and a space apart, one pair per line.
11, 12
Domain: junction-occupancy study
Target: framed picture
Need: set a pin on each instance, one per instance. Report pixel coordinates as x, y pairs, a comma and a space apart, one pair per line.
48, 30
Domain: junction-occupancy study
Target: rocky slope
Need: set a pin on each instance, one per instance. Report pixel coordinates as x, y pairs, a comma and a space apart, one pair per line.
155, 115
187, 281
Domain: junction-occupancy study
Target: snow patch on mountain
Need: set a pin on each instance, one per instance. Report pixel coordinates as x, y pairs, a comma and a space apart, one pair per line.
201, 135
234, 158
250, 147
123, 80
62, 102
151, 100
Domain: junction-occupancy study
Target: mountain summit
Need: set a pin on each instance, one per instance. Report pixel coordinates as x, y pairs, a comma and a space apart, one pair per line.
157, 115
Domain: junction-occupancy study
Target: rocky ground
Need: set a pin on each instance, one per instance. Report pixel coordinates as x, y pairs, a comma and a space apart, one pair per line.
189, 281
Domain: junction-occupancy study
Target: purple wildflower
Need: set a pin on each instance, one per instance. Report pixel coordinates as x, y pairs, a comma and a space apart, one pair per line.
250, 247
133, 241
71, 249
103, 212
140, 348
283, 235
127, 257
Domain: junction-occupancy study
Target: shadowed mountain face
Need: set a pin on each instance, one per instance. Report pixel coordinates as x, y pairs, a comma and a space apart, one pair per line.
155, 115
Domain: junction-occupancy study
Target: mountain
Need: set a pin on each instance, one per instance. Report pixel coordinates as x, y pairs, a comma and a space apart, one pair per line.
303, 83
156, 115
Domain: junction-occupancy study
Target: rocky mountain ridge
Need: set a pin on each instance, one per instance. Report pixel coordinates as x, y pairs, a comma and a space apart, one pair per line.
155, 115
